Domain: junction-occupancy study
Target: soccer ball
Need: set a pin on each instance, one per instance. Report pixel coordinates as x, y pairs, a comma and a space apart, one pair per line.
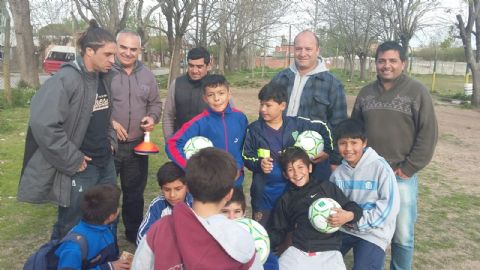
319, 211
311, 142
260, 237
194, 144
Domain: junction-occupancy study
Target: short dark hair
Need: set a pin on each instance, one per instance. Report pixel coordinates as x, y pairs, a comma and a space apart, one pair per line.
170, 172
198, 53
99, 202
94, 37
214, 80
273, 91
238, 197
210, 174
391, 45
350, 128
292, 154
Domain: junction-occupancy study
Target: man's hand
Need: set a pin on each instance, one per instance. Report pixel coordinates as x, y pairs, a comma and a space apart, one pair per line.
340, 217
267, 165
322, 156
122, 134
400, 173
147, 123
83, 166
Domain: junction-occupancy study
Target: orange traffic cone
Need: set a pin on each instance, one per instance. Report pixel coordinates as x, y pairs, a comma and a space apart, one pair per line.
146, 147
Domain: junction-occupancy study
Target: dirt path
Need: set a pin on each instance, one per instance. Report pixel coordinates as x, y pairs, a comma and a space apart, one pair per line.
458, 148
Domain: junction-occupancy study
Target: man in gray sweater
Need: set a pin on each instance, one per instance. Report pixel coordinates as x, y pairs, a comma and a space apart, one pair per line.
401, 126
136, 109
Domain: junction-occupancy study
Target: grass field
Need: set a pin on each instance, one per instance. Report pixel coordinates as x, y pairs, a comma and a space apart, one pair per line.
447, 221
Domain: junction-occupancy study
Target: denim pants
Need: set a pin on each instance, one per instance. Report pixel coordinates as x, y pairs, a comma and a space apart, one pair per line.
81, 182
133, 171
403, 239
366, 255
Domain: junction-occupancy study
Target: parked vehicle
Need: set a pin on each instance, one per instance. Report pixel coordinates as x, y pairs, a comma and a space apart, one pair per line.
56, 56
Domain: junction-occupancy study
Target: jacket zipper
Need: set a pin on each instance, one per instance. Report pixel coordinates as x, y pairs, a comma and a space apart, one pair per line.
225, 131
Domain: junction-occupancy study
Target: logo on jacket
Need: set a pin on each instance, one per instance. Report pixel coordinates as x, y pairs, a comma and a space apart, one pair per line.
368, 185
236, 140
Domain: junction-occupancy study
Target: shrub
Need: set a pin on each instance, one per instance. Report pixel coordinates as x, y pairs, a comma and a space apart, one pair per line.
21, 97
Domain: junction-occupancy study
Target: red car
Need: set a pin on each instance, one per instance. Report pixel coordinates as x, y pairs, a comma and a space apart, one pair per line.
56, 56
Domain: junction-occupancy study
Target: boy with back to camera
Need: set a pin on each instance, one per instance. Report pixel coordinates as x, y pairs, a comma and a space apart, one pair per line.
311, 249
266, 138
366, 178
200, 237
100, 208
171, 180
224, 125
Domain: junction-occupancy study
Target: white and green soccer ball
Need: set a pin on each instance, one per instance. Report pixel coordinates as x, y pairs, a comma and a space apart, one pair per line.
319, 211
194, 144
311, 142
260, 237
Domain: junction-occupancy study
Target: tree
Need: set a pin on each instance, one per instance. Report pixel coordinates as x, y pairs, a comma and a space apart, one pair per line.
355, 25
110, 14
468, 30
206, 18
27, 59
246, 24
177, 15
406, 17
143, 22
6, 55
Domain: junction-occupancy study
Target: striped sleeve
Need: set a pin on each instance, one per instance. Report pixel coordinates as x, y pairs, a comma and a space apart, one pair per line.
175, 144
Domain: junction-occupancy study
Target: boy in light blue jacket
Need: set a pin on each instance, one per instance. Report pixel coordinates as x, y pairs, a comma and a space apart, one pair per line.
366, 178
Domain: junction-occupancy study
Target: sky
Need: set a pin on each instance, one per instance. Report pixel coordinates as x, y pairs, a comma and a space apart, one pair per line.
440, 21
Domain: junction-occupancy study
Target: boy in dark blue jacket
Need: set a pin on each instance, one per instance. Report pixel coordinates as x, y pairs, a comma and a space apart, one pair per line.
224, 125
266, 138
100, 208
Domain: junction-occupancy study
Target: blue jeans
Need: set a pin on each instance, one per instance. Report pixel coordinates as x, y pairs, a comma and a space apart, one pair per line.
81, 182
404, 237
366, 255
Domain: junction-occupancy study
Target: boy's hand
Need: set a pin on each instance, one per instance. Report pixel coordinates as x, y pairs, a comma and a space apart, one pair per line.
267, 165
322, 156
121, 264
340, 217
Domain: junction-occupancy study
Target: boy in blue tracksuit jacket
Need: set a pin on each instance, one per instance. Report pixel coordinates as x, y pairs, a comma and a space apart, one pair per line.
171, 180
223, 125
266, 138
100, 209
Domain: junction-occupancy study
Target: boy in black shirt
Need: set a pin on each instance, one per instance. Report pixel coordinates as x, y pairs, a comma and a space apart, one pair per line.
311, 248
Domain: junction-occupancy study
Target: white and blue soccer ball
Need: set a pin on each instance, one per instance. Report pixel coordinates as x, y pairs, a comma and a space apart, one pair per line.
194, 144
318, 213
260, 237
311, 142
